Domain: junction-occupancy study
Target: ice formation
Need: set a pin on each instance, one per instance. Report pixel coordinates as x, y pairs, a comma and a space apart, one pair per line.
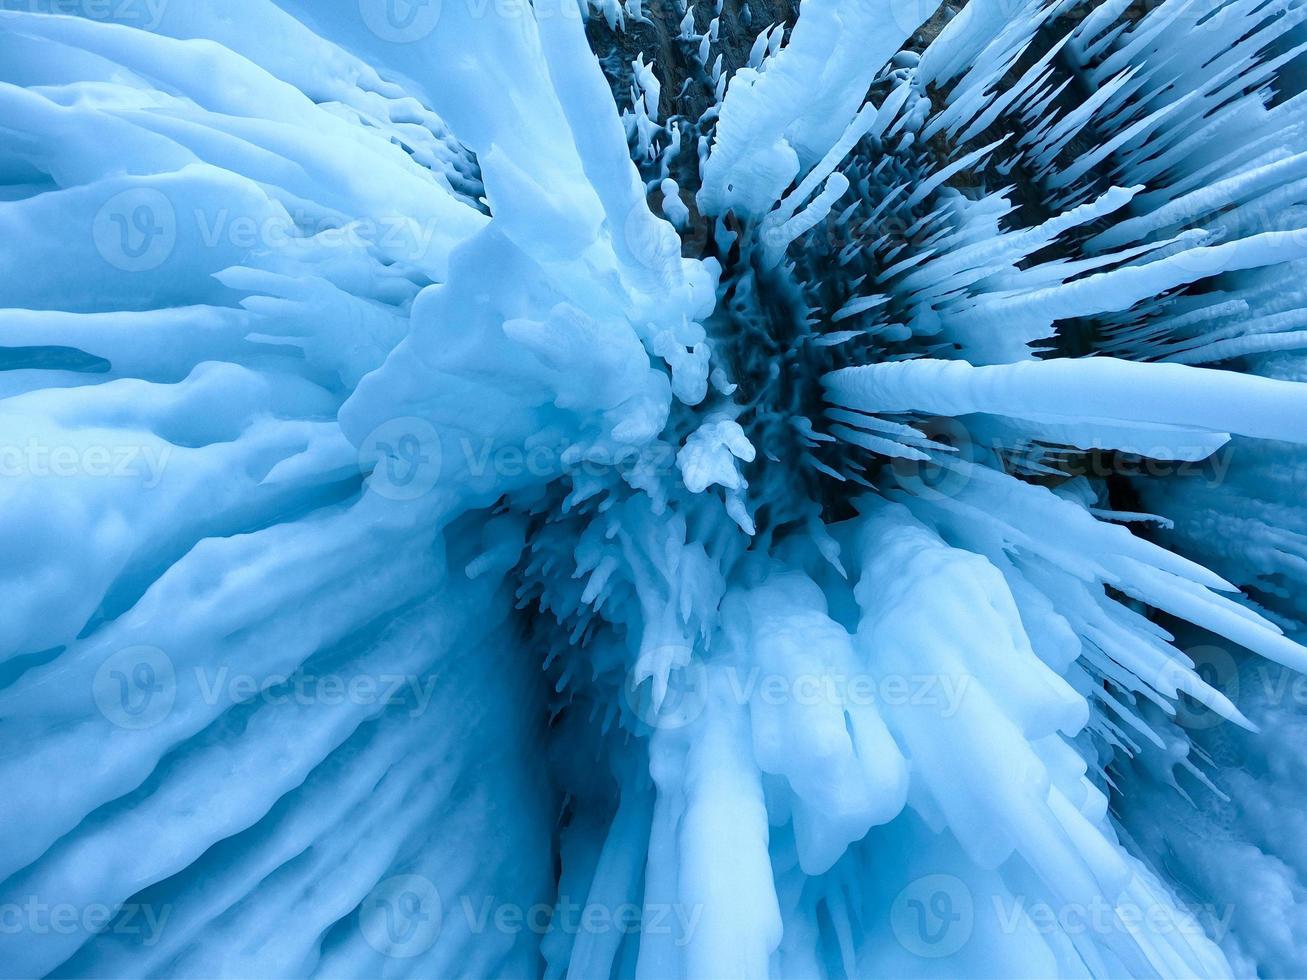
822, 498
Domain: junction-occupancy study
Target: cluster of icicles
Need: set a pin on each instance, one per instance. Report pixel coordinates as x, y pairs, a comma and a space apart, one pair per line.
845, 530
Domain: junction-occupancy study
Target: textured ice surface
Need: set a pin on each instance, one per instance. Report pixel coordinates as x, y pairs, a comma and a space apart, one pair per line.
471, 510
